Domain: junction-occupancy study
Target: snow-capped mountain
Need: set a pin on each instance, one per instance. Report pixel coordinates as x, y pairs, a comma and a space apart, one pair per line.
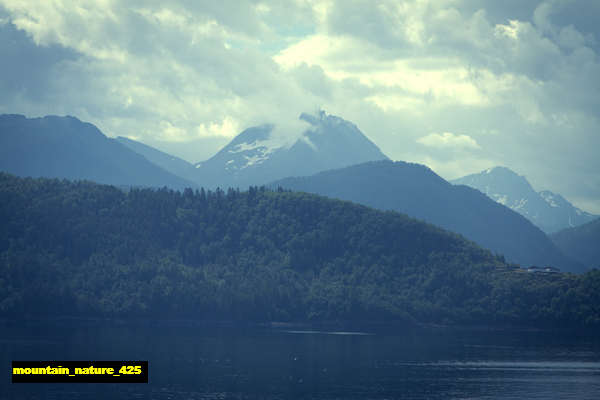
258, 156
549, 211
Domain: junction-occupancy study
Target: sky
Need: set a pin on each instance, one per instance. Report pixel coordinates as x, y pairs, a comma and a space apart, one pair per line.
458, 85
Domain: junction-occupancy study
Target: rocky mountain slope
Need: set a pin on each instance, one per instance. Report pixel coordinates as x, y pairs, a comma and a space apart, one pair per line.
549, 211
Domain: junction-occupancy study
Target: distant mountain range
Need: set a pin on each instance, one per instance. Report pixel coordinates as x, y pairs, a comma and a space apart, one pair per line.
174, 165
549, 211
417, 191
254, 157
581, 243
65, 147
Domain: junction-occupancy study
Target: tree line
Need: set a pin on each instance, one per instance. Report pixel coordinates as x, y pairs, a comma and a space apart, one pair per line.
83, 249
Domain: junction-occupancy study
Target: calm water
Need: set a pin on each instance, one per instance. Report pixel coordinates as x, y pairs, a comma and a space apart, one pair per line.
194, 362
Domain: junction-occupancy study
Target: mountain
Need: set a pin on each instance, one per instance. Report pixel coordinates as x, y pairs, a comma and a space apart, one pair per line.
89, 250
549, 211
256, 156
65, 147
417, 191
168, 162
581, 243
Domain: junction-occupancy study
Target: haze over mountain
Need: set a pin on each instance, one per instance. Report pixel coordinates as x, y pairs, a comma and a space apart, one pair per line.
455, 85
256, 156
65, 147
68, 148
417, 191
581, 243
168, 162
549, 211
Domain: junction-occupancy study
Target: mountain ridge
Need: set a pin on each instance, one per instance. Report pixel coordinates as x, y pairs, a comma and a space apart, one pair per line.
166, 161
549, 211
256, 157
415, 190
65, 147
581, 243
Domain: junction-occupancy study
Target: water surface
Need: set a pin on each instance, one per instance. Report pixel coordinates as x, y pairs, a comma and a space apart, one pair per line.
191, 361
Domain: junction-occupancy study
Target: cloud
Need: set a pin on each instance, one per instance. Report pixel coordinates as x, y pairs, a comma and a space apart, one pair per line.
448, 140
182, 71
157, 71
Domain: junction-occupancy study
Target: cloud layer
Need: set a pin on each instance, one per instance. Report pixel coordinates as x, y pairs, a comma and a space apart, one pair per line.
460, 85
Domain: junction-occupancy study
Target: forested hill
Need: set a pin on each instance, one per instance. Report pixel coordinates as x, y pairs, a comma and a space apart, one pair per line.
85, 249
416, 190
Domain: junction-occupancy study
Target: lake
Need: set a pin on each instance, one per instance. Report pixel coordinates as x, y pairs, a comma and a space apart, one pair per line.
193, 361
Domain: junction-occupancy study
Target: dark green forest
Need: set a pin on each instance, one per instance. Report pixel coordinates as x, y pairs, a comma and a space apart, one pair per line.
84, 249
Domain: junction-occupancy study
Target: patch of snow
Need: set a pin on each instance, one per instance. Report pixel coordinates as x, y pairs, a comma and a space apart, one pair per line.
255, 159
266, 146
520, 204
230, 165
502, 199
549, 199
257, 152
246, 146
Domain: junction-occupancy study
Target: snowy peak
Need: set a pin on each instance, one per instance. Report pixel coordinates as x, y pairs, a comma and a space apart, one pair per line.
549, 211
499, 181
258, 155
252, 135
253, 146
552, 198
575, 216
249, 154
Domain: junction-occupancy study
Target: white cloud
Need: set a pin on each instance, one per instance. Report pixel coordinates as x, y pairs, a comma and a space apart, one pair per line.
227, 127
448, 140
455, 168
344, 58
183, 70
511, 30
